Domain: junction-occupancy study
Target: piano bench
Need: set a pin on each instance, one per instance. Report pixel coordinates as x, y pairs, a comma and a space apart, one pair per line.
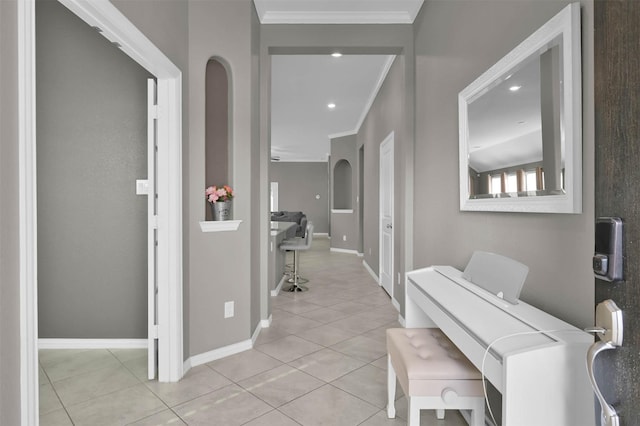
433, 374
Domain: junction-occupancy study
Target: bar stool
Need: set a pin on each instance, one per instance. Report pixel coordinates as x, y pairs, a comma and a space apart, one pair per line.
295, 245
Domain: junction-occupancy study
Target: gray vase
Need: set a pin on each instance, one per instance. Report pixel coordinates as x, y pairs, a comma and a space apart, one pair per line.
221, 210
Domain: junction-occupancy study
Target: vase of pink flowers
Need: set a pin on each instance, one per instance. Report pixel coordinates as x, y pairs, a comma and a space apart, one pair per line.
219, 197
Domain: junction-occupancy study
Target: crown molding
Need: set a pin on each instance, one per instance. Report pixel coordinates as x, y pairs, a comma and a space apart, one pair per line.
337, 12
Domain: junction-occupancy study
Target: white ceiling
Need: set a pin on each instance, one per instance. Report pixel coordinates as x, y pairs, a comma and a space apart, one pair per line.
303, 85
301, 88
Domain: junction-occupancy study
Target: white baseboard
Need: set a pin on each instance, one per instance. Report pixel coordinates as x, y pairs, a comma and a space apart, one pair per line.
219, 353
186, 366
266, 323
373, 274
395, 304
339, 250
276, 291
226, 351
92, 343
402, 321
321, 234
360, 254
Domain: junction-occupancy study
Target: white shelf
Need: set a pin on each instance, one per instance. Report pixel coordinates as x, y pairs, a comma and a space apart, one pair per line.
220, 225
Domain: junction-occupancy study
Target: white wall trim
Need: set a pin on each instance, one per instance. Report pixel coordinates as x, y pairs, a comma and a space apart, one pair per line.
342, 134
320, 234
29, 373
276, 290
186, 366
342, 17
92, 343
371, 272
265, 323
341, 250
374, 93
215, 354
401, 319
342, 211
337, 12
396, 305
370, 101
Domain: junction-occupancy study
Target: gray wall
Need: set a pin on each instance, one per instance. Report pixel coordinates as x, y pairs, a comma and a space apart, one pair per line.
387, 114
91, 147
9, 219
455, 43
344, 232
298, 185
220, 263
199, 31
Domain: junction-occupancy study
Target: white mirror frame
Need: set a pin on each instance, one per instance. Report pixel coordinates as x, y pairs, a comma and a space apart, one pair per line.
567, 23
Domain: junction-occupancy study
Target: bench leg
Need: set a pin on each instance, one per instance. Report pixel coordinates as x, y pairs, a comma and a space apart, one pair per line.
391, 390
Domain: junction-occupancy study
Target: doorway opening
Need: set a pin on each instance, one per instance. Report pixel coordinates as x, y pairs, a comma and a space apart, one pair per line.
118, 29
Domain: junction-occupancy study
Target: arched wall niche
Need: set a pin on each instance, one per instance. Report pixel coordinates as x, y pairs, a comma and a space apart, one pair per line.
217, 126
342, 190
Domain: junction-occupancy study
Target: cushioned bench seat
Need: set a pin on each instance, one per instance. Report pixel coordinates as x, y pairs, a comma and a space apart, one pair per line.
433, 374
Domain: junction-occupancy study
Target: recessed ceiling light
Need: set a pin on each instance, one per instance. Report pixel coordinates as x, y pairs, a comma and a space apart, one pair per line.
331, 105
336, 54
515, 88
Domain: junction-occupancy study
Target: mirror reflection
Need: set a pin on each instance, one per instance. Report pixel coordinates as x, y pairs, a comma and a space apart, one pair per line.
516, 138
520, 125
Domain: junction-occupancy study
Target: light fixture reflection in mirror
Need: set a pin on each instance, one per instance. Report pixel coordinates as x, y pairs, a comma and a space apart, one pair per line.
520, 126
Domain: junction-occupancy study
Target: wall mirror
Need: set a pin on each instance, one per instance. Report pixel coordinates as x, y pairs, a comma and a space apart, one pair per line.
520, 126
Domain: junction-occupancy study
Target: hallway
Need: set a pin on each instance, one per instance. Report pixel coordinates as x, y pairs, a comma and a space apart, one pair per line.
321, 362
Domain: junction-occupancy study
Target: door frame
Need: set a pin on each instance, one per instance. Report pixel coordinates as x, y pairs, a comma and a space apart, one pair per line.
389, 140
117, 29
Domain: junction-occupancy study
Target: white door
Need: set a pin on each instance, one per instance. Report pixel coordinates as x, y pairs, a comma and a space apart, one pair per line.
386, 214
152, 228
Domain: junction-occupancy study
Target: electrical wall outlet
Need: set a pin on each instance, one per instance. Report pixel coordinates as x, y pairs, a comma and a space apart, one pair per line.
344, 238
228, 309
399, 277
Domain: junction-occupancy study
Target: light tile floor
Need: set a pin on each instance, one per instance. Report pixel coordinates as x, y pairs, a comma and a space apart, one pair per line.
321, 362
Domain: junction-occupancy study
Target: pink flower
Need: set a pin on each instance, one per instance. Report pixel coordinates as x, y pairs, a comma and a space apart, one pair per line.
214, 193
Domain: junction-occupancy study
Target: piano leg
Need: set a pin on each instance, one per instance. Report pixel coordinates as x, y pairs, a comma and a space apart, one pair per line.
391, 390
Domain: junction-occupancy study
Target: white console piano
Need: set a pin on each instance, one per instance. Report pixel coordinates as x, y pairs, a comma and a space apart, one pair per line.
536, 361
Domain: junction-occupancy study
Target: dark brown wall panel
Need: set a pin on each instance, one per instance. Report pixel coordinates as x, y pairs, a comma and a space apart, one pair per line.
617, 188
